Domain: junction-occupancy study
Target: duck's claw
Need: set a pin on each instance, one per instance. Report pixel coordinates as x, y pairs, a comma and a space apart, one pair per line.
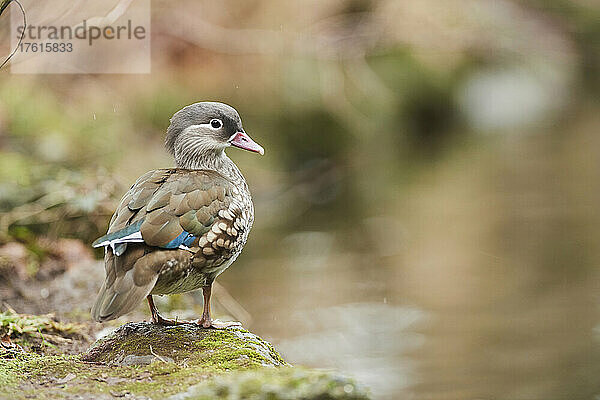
169, 322
217, 324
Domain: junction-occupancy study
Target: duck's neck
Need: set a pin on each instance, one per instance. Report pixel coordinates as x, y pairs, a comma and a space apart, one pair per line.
215, 160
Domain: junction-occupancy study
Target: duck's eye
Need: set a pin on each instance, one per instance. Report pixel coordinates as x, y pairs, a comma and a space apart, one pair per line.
216, 123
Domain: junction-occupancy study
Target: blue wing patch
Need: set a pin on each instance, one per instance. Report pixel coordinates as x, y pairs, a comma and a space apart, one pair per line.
184, 239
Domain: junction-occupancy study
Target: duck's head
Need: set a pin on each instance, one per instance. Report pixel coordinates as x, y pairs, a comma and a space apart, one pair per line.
206, 128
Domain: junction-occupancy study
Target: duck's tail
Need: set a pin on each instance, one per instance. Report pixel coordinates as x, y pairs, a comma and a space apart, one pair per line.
129, 279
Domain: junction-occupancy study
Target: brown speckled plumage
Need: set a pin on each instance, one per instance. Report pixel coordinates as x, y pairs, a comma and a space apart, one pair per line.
206, 198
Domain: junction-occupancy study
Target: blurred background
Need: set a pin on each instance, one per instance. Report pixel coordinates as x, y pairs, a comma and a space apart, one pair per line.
427, 209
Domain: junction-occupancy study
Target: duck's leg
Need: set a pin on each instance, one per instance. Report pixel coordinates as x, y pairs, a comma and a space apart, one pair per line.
206, 321
156, 317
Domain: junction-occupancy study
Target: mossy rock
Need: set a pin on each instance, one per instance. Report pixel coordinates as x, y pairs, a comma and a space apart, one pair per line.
137, 359
142, 343
277, 384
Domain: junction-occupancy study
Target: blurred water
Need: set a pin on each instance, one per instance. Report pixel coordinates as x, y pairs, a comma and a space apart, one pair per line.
480, 281
367, 340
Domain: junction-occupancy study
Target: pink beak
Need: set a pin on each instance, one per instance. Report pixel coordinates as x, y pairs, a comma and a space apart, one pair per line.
243, 141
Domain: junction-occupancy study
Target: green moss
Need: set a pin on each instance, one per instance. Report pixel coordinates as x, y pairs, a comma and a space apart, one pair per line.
277, 384
44, 376
8, 377
159, 377
13, 324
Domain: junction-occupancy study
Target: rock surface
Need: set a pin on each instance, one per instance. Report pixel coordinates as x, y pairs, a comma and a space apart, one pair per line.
142, 343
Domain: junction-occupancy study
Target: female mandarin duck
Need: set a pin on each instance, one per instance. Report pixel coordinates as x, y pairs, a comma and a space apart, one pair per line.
177, 229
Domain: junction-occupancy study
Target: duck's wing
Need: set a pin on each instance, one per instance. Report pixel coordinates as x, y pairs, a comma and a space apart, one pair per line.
176, 208
167, 214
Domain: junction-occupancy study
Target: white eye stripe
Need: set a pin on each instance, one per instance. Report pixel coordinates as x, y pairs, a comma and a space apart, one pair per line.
209, 125
198, 126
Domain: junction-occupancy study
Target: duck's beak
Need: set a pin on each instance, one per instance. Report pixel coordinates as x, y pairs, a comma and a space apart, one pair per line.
243, 141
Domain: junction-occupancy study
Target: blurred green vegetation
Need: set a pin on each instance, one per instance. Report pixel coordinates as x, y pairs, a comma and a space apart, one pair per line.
51, 179
13, 325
